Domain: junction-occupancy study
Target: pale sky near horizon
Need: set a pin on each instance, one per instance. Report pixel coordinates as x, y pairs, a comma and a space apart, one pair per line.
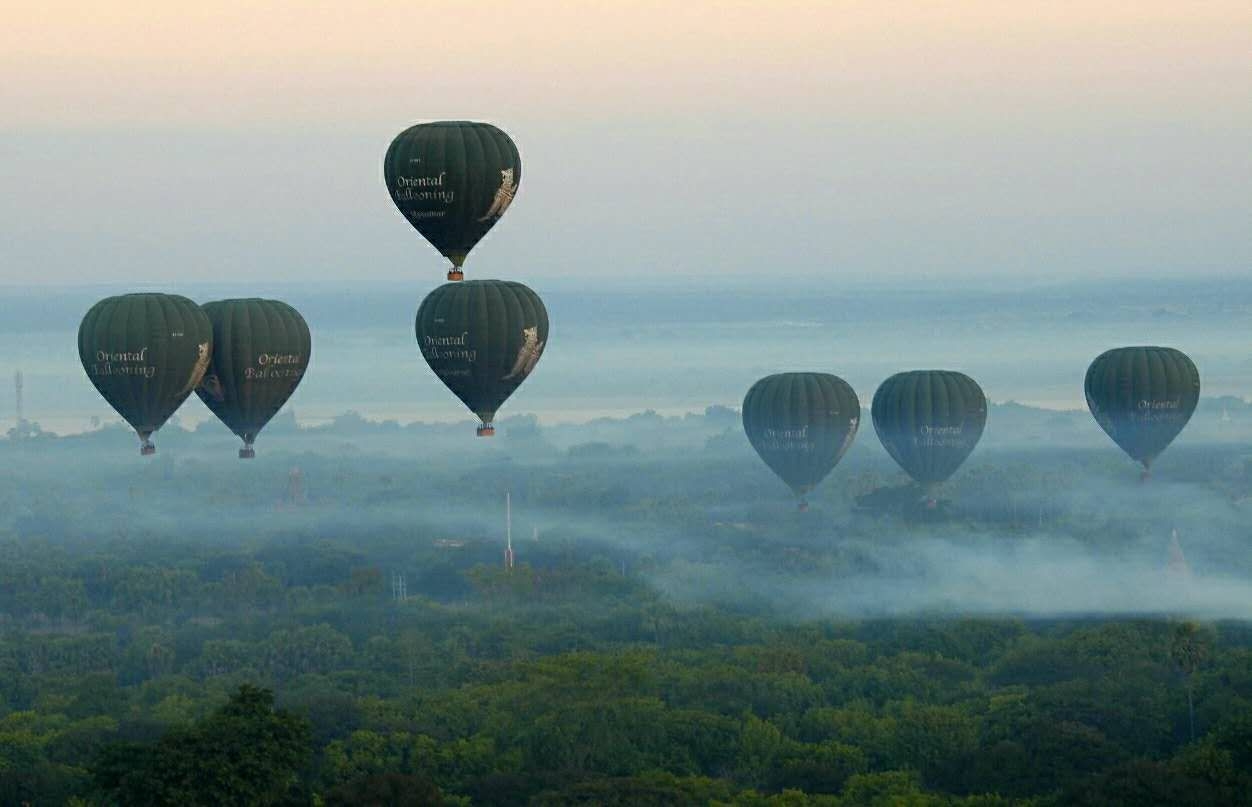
238, 141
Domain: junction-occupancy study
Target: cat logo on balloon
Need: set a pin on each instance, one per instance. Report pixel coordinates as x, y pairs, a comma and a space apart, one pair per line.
504, 196
527, 355
203, 355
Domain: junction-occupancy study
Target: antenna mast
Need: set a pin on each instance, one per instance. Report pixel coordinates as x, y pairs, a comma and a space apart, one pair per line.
295, 487
508, 530
17, 386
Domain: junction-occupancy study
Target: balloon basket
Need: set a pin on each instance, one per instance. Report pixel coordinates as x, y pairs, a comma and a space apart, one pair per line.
802, 506
247, 453
147, 450
486, 430
456, 274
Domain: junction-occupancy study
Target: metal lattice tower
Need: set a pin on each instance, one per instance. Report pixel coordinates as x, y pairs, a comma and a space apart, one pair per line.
399, 587
1177, 567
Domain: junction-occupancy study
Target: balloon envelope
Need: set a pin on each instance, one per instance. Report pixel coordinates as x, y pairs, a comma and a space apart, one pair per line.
801, 424
145, 353
1142, 397
482, 338
260, 352
452, 181
929, 421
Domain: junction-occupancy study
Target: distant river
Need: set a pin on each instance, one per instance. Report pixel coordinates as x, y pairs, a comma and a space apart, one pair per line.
674, 351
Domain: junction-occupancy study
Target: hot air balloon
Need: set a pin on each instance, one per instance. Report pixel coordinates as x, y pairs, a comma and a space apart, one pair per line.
260, 352
1142, 397
801, 424
929, 421
145, 353
453, 180
482, 338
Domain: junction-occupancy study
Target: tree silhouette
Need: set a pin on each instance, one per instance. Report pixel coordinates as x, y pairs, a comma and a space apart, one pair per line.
245, 753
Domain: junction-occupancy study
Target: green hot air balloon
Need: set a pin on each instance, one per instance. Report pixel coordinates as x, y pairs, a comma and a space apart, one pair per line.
929, 421
452, 180
483, 339
145, 353
1142, 397
260, 352
801, 424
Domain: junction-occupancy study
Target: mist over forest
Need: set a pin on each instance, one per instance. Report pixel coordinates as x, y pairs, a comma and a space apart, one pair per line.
1044, 518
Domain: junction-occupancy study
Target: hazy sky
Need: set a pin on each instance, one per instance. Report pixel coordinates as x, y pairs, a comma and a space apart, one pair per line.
174, 143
